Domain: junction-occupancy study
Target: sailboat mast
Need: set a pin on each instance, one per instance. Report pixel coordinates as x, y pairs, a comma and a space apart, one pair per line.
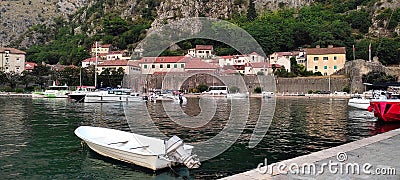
95, 69
80, 77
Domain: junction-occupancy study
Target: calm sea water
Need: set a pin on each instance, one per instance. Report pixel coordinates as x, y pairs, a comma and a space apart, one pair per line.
37, 139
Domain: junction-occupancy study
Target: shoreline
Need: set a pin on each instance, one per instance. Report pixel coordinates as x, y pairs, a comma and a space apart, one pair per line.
280, 96
367, 150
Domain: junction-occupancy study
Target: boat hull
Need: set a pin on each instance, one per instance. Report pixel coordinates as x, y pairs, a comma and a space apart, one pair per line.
359, 103
110, 99
77, 97
128, 147
386, 110
148, 161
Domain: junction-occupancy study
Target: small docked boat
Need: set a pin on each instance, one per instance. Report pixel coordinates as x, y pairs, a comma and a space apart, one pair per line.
267, 94
363, 101
237, 95
359, 102
387, 110
140, 150
56, 91
112, 95
167, 97
80, 93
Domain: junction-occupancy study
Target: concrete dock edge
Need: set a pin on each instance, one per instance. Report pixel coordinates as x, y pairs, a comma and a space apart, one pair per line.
316, 157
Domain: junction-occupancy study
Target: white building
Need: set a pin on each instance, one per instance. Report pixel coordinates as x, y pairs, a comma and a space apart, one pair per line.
202, 51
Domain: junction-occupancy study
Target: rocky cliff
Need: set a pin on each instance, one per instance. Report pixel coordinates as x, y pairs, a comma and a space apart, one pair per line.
18, 16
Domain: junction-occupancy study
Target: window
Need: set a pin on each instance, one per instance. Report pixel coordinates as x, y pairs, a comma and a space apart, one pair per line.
6, 60
316, 58
335, 58
334, 67
161, 66
17, 69
325, 74
175, 66
316, 68
168, 65
325, 58
145, 66
325, 67
200, 51
182, 65
17, 59
7, 53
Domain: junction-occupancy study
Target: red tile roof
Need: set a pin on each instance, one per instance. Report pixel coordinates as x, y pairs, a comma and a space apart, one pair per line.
12, 50
170, 72
92, 59
199, 64
322, 51
254, 53
229, 71
134, 63
30, 65
201, 71
114, 63
204, 47
226, 57
165, 59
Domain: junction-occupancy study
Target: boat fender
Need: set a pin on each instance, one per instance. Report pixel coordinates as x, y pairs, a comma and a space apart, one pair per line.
370, 109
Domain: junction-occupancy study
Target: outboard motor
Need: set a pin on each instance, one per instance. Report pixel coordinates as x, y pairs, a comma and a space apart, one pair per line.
176, 152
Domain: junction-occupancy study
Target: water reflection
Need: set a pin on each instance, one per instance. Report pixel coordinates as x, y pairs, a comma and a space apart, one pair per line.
38, 141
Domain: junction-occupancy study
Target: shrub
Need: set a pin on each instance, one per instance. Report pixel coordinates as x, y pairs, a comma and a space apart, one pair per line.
310, 91
234, 89
202, 87
8, 89
19, 90
257, 90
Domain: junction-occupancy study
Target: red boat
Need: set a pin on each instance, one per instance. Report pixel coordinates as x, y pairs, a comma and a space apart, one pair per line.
386, 110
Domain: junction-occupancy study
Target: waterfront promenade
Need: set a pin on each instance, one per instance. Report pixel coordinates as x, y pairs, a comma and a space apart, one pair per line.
371, 156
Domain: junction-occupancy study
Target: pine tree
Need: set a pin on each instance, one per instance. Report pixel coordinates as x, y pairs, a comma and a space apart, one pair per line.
251, 12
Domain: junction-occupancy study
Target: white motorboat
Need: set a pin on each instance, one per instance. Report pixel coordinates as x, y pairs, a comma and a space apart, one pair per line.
237, 95
167, 97
267, 94
141, 150
113, 95
359, 102
363, 102
54, 91
80, 93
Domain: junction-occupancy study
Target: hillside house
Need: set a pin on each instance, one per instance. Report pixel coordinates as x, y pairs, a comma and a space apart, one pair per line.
12, 60
325, 60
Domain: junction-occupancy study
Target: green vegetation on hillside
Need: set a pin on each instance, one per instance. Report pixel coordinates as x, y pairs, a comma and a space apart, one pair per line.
331, 22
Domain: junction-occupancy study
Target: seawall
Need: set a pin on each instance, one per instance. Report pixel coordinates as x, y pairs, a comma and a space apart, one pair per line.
144, 83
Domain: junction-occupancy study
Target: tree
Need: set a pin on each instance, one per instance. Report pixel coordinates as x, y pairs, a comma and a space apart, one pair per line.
378, 77
202, 87
258, 90
234, 89
12, 79
251, 11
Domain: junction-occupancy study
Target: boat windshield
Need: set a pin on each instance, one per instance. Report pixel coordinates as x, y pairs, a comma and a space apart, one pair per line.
58, 88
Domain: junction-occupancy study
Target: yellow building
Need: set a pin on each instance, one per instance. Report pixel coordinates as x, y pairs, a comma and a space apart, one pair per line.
325, 60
